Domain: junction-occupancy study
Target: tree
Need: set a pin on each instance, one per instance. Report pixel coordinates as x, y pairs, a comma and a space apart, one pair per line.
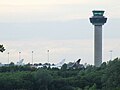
43, 79
93, 87
11, 64
64, 67
2, 48
111, 78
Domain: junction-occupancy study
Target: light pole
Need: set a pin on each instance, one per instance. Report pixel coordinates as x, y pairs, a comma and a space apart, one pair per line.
48, 55
8, 57
19, 56
32, 57
111, 51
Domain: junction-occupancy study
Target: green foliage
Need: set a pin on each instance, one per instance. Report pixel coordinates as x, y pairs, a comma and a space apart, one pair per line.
64, 67
19, 80
11, 64
106, 77
12, 68
93, 87
111, 78
43, 79
2, 48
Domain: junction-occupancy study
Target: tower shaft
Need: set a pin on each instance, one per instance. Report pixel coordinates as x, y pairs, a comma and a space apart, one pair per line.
97, 45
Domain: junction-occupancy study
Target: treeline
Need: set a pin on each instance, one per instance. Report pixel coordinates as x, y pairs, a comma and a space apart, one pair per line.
106, 77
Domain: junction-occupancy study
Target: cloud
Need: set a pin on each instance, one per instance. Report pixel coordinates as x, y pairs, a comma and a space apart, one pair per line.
52, 10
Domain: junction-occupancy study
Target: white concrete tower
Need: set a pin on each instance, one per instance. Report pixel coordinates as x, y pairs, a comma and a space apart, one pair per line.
98, 20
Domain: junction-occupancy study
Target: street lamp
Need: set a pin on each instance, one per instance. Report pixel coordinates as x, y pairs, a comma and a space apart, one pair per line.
8, 57
48, 55
32, 57
19, 55
111, 51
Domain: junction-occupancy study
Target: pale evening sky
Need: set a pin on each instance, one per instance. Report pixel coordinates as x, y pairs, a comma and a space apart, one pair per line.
62, 26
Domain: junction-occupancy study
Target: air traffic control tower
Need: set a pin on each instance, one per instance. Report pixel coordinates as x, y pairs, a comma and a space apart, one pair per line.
98, 20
